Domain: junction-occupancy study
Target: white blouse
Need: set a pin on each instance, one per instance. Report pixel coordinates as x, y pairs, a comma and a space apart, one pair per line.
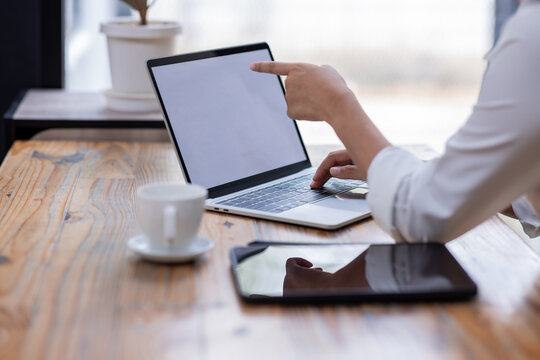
492, 161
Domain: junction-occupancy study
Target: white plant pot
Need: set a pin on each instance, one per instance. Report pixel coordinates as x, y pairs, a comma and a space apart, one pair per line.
130, 45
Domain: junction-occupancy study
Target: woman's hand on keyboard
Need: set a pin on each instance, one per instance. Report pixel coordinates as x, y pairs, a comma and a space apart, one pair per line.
337, 164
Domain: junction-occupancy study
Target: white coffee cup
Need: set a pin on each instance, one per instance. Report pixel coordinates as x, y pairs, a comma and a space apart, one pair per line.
169, 214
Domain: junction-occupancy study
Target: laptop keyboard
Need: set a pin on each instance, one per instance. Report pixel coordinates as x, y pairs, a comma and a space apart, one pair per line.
290, 194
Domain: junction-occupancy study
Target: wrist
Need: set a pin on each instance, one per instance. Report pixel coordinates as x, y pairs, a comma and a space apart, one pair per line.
345, 108
361, 137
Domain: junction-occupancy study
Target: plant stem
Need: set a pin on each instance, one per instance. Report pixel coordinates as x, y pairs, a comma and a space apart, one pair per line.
142, 11
143, 15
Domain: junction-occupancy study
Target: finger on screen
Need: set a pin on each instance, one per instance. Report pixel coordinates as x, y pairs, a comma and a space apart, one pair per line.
272, 67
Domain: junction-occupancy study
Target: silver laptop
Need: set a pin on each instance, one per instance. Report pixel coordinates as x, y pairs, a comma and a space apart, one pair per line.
231, 133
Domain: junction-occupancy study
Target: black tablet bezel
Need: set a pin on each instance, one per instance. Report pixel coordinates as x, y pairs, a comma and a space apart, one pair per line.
457, 293
247, 182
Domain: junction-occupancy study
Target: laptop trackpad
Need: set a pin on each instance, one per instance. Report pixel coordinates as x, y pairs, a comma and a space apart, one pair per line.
353, 200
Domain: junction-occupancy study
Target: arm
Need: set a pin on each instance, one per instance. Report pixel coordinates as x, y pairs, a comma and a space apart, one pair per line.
489, 163
319, 93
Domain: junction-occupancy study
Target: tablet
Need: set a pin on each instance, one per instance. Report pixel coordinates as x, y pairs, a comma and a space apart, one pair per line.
288, 273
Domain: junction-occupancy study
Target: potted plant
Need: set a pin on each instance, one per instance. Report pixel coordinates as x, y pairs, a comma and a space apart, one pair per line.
130, 43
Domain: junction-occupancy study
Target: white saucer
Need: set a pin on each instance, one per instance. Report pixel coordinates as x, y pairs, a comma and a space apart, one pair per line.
139, 245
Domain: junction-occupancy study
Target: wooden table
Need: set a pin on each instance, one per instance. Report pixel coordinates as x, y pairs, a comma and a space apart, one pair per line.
70, 288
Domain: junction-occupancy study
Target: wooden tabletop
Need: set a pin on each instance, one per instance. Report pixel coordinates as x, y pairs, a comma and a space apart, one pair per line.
70, 288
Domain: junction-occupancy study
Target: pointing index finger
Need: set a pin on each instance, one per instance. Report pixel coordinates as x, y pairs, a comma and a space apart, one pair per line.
272, 67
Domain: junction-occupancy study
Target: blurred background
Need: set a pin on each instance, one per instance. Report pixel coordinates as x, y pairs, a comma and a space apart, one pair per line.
416, 65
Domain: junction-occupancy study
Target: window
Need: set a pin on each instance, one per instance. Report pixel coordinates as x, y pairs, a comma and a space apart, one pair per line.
415, 65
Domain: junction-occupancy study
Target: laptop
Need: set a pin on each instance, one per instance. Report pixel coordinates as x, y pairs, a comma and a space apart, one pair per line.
231, 134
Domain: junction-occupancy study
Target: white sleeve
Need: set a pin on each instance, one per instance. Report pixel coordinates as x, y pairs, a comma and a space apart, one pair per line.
491, 161
389, 169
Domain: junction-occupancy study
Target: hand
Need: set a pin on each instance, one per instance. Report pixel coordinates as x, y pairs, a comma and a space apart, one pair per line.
300, 274
312, 92
320, 93
337, 164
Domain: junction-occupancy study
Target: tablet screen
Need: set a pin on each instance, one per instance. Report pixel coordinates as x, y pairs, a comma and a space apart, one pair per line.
356, 270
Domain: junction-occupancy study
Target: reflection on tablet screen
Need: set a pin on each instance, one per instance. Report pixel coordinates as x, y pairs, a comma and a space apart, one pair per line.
278, 271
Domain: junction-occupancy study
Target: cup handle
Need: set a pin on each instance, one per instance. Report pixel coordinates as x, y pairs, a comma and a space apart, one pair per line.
169, 223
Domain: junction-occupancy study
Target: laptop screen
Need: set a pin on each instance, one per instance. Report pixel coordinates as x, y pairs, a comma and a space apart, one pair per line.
229, 122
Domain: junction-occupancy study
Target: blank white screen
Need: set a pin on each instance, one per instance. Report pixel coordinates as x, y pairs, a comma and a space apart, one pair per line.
229, 122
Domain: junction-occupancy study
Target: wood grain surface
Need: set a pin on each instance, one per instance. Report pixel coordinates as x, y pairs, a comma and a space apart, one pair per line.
70, 288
